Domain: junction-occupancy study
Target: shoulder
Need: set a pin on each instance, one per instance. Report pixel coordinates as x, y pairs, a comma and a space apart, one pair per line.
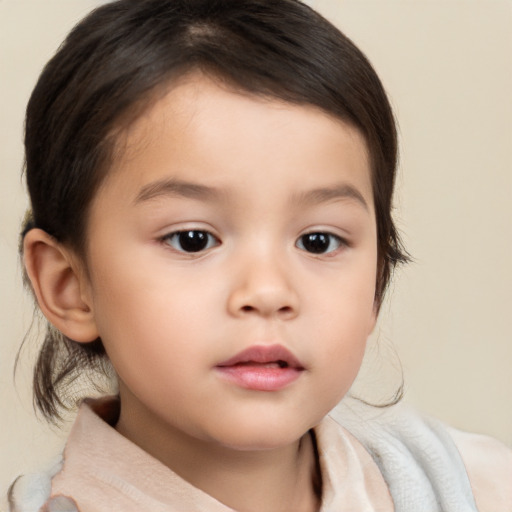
31, 492
420, 460
489, 466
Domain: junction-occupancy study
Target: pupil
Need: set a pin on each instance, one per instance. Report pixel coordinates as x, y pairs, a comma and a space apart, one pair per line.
316, 242
193, 241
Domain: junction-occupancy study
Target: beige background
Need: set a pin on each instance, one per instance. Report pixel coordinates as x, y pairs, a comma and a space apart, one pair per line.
448, 68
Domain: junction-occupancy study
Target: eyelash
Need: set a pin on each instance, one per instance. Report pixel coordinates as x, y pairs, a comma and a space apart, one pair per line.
320, 242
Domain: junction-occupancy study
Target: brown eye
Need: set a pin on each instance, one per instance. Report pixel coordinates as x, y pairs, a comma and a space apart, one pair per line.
319, 243
191, 240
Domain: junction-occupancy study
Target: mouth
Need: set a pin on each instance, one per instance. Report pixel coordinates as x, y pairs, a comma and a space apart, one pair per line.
261, 368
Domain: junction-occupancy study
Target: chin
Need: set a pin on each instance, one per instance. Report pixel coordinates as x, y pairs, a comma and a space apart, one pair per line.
261, 436
261, 444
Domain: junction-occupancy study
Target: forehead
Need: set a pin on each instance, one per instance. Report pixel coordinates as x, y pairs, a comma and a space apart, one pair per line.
201, 127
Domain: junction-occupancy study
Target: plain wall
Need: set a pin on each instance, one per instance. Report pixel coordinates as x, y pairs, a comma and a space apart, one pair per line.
447, 66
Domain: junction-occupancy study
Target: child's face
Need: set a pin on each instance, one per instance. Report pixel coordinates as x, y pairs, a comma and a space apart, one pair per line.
248, 180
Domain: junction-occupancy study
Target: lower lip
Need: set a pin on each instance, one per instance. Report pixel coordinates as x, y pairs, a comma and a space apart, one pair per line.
259, 378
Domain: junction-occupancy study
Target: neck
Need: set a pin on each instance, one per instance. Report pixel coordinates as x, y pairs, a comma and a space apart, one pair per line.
275, 480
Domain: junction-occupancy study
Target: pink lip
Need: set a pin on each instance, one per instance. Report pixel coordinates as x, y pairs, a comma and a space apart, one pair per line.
262, 368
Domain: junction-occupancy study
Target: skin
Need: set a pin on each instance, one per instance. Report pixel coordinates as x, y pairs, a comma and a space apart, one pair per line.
167, 317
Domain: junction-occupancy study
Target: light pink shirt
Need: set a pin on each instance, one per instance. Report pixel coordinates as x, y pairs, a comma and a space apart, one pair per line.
103, 471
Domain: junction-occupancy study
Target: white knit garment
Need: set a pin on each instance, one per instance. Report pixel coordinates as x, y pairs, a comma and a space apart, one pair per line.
416, 455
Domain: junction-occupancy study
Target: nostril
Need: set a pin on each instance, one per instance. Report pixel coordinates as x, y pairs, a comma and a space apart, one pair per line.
285, 310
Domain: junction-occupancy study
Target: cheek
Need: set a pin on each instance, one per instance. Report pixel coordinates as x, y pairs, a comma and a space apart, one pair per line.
347, 320
150, 319
351, 298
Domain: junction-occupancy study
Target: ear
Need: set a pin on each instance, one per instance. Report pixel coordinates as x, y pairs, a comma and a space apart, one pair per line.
60, 286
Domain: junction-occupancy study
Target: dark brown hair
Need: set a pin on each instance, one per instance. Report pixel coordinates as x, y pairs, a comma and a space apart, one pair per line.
117, 57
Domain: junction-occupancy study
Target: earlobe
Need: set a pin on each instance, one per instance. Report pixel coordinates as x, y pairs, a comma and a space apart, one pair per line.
59, 287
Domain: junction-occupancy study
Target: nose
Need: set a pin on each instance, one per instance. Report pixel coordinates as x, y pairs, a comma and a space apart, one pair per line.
263, 287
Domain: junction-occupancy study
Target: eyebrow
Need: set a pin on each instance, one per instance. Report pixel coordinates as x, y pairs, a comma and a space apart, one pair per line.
176, 188
179, 188
325, 194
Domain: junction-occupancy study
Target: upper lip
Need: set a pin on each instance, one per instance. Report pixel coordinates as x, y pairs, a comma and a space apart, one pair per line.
264, 354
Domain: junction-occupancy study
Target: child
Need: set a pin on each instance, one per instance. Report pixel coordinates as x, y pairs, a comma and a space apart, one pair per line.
211, 187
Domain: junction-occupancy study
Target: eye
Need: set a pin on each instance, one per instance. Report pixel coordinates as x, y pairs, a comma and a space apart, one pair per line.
319, 243
191, 240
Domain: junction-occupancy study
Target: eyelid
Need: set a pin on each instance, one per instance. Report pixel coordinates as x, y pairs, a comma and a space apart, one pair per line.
164, 232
